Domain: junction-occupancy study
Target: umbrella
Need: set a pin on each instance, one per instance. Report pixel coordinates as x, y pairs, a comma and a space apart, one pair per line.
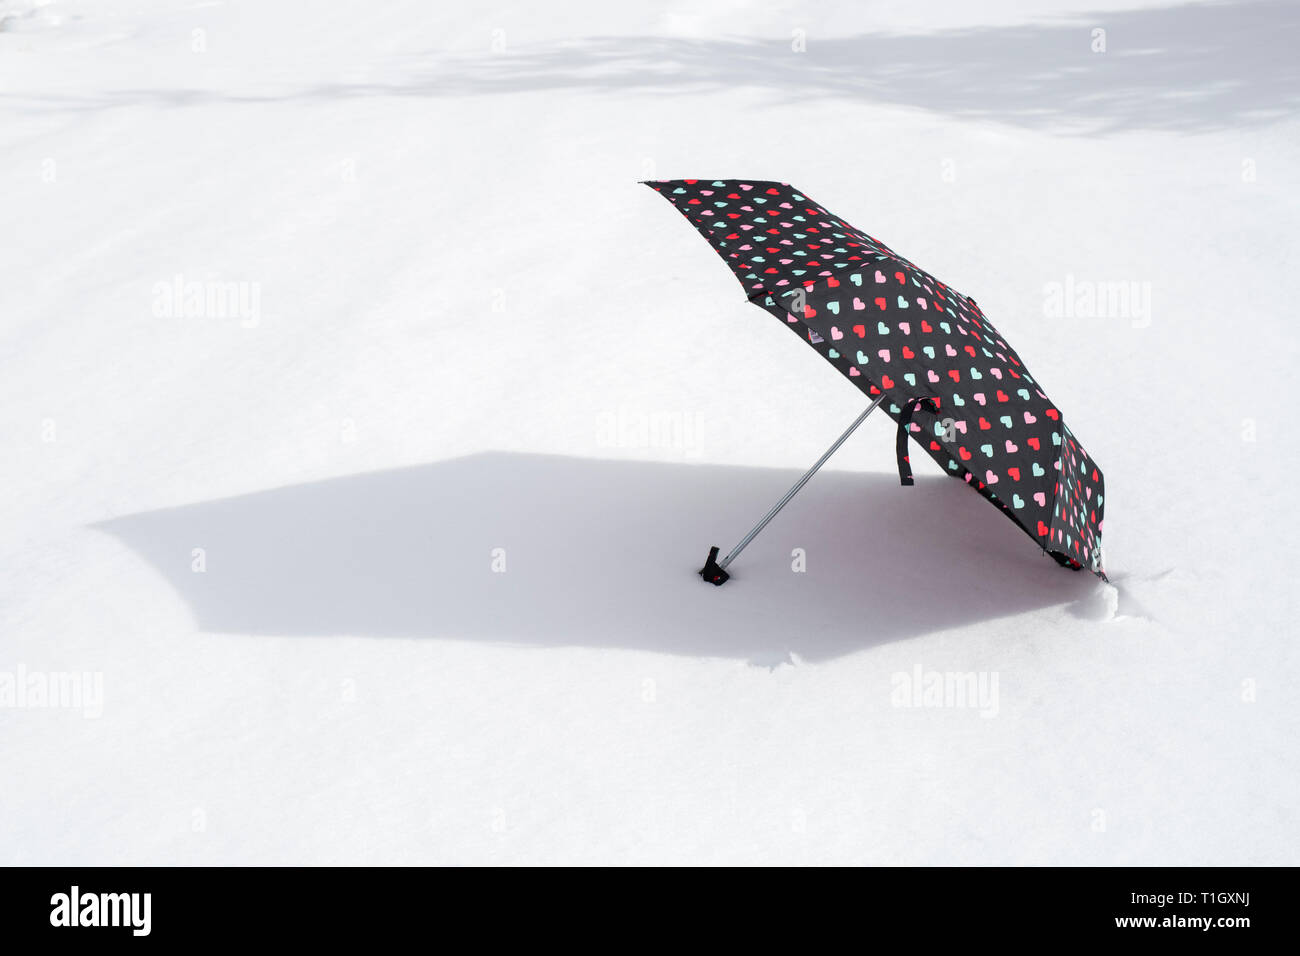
918, 349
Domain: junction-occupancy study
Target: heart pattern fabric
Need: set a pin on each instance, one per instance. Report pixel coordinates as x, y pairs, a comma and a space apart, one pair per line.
889, 326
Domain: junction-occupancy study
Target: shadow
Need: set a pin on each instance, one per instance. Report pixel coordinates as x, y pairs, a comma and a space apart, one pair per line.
1190, 68
602, 554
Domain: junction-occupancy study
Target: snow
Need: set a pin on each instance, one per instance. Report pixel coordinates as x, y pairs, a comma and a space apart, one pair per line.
455, 411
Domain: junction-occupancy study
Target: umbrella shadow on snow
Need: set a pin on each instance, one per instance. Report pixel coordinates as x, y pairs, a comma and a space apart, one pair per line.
601, 554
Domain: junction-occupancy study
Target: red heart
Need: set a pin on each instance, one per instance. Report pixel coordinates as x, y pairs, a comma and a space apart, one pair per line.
860, 331
809, 312
1053, 414
886, 381
971, 350
1042, 529
770, 192
833, 282
925, 326
1033, 443
691, 182
954, 375
965, 455
908, 353
1014, 473
881, 303
1002, 396
898, 276
984, 424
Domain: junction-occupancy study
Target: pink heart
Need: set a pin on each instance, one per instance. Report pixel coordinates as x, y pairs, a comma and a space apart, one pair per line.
990, 478
950, 350
880, 276
836, 334
979, 397
1041, 499
884, 354
933, 375
1012, 447
906, 327
1030, 419
858, 304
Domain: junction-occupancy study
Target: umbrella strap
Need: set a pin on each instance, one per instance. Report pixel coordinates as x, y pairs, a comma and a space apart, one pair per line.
904, 427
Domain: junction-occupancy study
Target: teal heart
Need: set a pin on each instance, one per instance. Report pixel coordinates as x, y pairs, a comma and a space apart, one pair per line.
957, 399
1017, 501
1005, 420
856, 278
832, 353
1056, 439
882, 328
946, 327
1038, 470
719, 183
988, 450
910, 378
975, 373
834, 307
929, 351
902, 303
1023, 393
862, 357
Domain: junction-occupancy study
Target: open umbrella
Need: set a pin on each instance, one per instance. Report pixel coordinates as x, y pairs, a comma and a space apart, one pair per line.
917, 348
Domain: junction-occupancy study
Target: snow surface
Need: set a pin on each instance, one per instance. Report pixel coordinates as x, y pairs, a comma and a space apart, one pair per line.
459, 325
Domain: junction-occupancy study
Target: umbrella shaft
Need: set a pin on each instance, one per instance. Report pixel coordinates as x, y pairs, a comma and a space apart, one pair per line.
797, 485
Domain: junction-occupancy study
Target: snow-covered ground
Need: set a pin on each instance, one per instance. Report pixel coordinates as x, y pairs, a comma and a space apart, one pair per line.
383, 549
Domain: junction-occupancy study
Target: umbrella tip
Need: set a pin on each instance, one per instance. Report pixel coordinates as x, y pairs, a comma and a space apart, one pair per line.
711, 572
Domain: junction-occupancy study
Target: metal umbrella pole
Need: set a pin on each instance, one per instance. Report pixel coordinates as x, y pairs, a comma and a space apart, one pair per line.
714, 571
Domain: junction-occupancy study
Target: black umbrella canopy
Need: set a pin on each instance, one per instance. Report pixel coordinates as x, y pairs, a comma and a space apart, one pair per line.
948, 377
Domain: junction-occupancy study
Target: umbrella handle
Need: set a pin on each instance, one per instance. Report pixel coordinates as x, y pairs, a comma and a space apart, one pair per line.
715, 572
